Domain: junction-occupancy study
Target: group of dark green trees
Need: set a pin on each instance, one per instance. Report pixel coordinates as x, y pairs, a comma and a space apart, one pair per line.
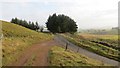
55, 24
61, 24
24, 23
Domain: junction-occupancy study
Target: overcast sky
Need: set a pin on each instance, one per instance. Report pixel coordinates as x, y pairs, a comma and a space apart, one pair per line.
87, 13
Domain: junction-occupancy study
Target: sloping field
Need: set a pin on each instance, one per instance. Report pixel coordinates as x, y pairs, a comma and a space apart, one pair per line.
18, 38
91, 36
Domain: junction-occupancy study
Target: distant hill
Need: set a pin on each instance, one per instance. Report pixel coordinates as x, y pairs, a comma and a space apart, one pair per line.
112, 31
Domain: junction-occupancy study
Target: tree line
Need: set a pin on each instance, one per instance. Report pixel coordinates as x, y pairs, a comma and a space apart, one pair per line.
24, 23
61, 24
55, 24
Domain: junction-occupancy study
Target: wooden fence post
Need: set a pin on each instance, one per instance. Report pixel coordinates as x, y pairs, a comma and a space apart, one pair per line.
78, 49
66, 46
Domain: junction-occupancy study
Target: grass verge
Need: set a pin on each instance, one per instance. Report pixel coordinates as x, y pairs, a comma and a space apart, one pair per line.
59, 57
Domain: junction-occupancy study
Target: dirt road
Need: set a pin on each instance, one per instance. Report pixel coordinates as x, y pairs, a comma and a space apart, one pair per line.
36, 55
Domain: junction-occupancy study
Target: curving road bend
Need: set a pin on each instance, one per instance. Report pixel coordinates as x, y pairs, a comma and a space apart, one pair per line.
61, 40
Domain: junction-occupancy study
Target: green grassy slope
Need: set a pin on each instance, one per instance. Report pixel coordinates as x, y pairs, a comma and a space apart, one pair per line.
17, 38
60, 57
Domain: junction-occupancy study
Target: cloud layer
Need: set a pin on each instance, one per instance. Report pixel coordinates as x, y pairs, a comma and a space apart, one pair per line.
87, 13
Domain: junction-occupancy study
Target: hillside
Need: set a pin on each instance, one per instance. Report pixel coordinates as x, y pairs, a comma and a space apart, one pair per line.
18, 38
25, 47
